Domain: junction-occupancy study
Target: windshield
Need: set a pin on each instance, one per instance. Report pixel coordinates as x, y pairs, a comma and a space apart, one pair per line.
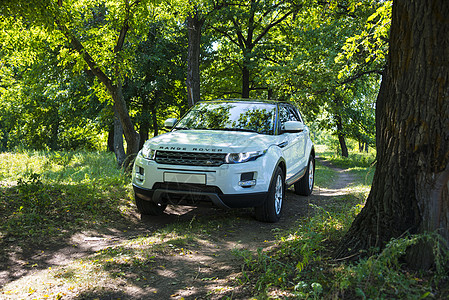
238, 116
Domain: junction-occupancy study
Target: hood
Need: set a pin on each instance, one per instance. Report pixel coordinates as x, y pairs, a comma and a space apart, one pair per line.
210, 141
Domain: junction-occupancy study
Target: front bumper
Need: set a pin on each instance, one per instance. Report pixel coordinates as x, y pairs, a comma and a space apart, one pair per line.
194, 196
222, 186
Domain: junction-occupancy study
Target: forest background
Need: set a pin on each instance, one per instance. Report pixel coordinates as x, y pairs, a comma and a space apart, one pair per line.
67, 67
104, 75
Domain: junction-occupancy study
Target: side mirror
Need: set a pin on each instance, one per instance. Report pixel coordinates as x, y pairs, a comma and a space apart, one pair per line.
170, 123
293, 126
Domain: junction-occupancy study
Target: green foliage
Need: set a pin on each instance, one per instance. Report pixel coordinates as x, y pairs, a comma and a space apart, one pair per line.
301, 266
58, 193
248, 36
355, 159
44, 104
83, 191
310, 52
383, 275
296, 263
155, 86
311, 75
367, 49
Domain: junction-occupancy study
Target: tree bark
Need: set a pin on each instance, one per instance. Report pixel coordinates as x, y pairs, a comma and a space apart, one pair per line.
410, 190
245, 82
110, 146
56, 122
339, 122
341, 136
145, 123
194, 25
118, 141
154, 117
120, 107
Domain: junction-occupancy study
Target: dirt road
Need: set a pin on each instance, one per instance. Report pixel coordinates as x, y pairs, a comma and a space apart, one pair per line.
207, 270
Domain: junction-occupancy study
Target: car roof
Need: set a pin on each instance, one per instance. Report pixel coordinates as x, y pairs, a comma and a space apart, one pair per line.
244, 100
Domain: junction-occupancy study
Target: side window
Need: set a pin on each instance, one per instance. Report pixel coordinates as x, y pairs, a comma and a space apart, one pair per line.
295, 114
284, 114
288, 113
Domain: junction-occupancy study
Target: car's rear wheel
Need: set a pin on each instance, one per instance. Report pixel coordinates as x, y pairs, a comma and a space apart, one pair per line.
271, 210
149, 207
304, 186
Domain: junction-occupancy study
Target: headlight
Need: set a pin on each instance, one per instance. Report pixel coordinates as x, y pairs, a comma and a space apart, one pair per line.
148, 153
235, 158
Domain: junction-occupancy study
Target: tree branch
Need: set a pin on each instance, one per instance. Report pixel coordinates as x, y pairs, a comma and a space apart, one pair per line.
357, 76
271, 25
76, 44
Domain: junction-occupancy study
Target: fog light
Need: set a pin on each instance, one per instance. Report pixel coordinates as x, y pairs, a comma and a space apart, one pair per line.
140, 173
247, 176
247, 183
247, 179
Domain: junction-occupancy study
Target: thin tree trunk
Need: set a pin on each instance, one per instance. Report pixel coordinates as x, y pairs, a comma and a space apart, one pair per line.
154, 117
194, 24
245, 82
145, 124
119, 150
341, 137
131, 135
410, 190
55, 130
339, 122
110, 146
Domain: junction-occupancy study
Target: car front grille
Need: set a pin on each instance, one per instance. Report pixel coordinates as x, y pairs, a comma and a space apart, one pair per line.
190, 158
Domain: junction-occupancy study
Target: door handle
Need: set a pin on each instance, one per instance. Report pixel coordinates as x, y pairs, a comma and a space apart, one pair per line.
283, 144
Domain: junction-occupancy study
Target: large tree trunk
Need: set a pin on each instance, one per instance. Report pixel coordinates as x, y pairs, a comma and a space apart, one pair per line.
194, 24
410, 191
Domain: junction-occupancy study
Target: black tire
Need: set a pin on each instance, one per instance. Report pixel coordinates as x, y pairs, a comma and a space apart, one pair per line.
304, 186
149, 207
271, 210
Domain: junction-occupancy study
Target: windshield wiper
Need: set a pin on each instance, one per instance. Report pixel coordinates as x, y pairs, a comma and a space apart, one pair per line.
182, 128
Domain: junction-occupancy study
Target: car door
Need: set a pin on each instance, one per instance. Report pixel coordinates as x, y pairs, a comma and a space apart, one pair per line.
294, 148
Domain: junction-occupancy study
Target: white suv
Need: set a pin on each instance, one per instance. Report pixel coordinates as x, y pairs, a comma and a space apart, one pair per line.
230, 154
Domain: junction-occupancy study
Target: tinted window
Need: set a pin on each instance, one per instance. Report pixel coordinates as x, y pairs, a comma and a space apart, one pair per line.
242, 116
287, 113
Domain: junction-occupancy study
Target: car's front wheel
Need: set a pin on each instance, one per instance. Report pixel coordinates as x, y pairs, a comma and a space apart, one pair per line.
304, 186
149, 207
271, 210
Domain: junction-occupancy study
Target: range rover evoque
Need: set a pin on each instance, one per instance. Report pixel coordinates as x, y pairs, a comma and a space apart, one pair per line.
228, 154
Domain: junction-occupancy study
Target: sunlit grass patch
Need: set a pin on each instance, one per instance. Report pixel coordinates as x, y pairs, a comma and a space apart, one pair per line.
299, 252
355, 158
324, 177
46, 195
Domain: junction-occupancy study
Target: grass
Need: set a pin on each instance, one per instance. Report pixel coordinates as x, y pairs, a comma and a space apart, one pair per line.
46, 198
301, 266
54, 194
